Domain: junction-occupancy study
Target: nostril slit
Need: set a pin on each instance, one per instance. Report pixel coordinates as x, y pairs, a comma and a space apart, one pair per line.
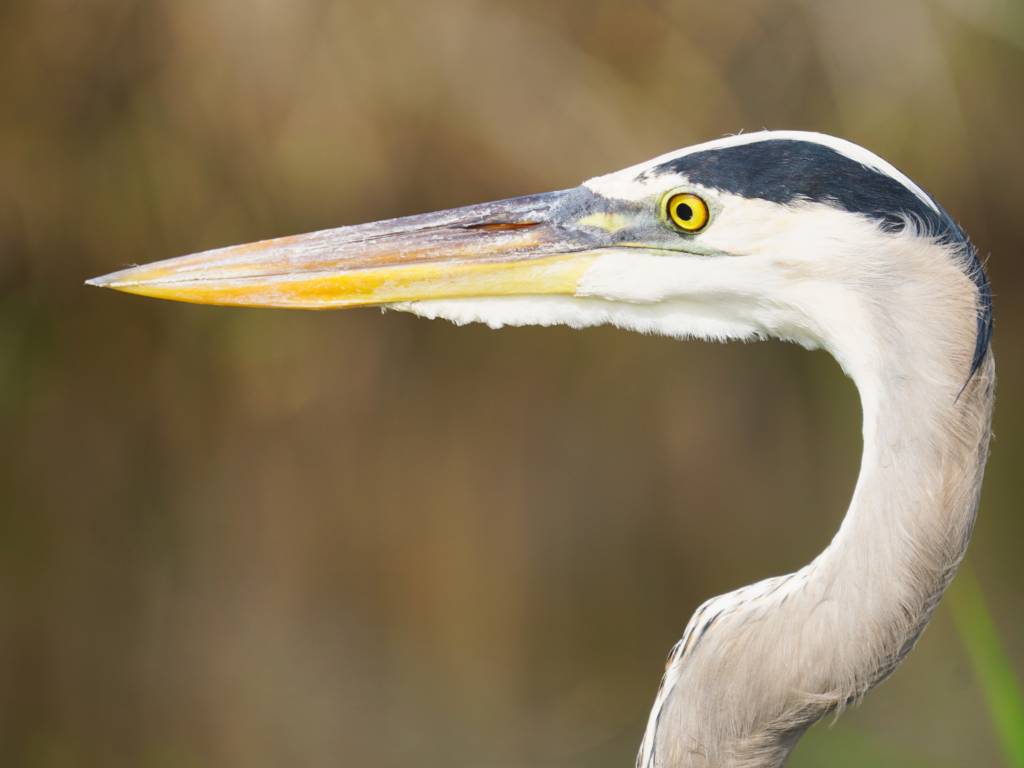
499, 227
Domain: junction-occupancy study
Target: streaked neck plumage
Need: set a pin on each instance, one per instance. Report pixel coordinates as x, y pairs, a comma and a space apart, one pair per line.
817, 640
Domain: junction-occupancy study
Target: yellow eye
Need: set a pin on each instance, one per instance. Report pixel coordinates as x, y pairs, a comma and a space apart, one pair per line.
688, 212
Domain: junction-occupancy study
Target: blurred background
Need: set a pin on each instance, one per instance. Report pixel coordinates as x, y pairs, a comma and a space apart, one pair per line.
268, 538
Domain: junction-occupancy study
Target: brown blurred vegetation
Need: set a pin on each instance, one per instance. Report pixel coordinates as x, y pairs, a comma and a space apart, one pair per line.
269, 538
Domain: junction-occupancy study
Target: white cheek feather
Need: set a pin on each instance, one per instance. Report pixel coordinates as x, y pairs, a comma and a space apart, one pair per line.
751, 227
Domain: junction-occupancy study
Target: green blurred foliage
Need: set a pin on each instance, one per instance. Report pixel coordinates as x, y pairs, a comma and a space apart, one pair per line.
263, 538
992, 669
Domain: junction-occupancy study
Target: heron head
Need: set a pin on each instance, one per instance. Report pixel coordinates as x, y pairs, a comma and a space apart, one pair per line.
783, 234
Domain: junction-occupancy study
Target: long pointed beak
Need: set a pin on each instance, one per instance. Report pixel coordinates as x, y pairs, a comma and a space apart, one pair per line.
530, 245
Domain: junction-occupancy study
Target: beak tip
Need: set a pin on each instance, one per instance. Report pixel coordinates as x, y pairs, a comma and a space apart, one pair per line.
112, 280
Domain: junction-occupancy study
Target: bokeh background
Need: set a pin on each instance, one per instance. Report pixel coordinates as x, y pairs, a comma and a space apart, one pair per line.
275, 538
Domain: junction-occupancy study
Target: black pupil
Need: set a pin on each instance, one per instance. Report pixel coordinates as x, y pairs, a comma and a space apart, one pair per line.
684, 212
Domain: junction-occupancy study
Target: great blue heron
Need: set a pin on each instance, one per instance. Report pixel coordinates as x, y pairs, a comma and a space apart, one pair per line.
799, 236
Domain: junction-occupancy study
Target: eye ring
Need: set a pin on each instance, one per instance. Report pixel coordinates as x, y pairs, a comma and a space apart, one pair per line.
687, 212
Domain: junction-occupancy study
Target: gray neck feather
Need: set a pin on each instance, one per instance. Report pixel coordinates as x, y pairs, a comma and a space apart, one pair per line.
759, 666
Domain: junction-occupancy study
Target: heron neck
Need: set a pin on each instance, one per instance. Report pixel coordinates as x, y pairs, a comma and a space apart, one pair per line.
758, 666
914, 506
